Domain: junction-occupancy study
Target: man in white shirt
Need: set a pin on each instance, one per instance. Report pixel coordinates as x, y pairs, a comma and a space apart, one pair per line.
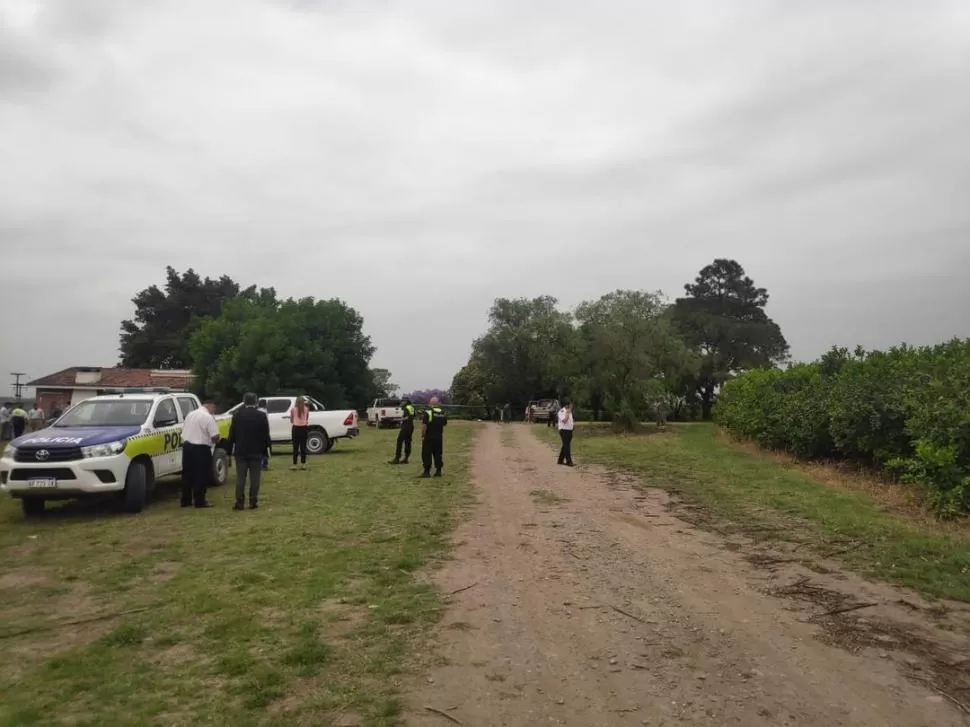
200, 432
35, 419
566, 434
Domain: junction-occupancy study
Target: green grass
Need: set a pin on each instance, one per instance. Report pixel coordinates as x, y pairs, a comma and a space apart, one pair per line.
759, 493
301, 612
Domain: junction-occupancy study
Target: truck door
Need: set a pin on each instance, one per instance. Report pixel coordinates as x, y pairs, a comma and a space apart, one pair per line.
167, 424
278, 411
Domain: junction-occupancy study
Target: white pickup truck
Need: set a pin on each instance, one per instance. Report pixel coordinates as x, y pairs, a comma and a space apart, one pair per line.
326, 427
115, 443
385, 412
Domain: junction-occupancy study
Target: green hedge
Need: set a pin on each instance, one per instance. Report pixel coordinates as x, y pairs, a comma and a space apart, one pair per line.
905, 411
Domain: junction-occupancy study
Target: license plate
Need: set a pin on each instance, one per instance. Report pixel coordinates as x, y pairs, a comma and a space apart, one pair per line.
42, 482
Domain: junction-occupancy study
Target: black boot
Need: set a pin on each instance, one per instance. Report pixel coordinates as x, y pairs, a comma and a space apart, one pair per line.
437, 473
404, 461
396, 461
425, 474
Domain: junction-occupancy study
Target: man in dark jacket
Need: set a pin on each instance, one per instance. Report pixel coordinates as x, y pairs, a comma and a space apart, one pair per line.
249, 440
433, 423
406, 434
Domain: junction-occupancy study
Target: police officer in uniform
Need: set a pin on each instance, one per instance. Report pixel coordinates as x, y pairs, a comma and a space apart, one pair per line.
406, 434
433, 422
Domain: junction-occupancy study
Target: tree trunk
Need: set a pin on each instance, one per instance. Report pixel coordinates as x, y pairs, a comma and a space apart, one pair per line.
707, 401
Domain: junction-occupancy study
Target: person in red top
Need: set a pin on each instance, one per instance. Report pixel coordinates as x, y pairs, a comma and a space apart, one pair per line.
300, 420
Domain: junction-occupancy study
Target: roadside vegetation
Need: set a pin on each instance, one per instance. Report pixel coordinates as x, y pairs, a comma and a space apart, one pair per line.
760, 495
307, 611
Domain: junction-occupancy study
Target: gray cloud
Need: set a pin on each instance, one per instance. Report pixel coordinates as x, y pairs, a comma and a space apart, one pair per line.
331, 148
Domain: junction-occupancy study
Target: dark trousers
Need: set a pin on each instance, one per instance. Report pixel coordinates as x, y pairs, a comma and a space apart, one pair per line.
299, 435
252, 467
566, 451
196, 473
551, 420
19, 424
404, 438
432, 449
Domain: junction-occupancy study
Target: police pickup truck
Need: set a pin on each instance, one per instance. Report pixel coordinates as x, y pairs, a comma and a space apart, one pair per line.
119, 443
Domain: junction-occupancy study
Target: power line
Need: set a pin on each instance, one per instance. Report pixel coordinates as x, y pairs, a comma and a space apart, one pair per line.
17, 386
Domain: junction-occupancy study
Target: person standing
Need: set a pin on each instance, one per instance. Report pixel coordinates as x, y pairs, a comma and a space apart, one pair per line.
200, 433
35, 419
261, 406
406, 434
433, 422
249, 442
300, 422
5, 428
552, 421
566, 434
18, 420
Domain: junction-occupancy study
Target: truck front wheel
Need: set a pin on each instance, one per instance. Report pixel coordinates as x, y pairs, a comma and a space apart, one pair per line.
136, 487
220, 467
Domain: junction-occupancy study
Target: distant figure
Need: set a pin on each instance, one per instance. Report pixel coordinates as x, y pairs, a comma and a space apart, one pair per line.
35, 419
553, 412
300, 421
433, 423
5, 428
18, 420
507, 412
249, 443
566, 434
200, 433
406, 434
261, 405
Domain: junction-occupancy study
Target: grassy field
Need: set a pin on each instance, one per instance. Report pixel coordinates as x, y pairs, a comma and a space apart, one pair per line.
304, 612
763, 496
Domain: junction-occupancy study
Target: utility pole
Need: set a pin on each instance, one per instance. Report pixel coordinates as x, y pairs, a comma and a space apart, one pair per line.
18, 388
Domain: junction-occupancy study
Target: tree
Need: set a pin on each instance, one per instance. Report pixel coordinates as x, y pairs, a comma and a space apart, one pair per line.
723, 319
470, 384
521, 354
316, 347
631, 350
158, 335
384, 388
423, 396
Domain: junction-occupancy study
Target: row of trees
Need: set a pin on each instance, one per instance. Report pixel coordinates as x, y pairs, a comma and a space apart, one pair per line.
906, 411
628, 352
247, 339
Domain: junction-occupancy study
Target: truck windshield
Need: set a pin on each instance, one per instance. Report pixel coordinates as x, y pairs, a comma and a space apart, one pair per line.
106, 414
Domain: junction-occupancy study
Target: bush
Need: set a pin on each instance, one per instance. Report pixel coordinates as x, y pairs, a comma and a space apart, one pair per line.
906, 410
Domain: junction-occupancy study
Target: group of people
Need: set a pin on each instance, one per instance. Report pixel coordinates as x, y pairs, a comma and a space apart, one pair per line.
248, 443
433, 422
16, 420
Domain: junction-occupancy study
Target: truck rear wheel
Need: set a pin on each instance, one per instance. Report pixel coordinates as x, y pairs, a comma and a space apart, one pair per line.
136, 487
317, 442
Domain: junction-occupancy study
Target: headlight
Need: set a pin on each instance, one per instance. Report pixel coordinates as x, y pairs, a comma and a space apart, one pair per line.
104, 450
9, 452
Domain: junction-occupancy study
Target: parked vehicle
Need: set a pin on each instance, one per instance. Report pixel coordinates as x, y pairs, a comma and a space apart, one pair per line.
115, 443
544, 410
385, 412
326, 427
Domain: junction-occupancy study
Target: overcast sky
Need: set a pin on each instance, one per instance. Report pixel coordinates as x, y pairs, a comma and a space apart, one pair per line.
419, 159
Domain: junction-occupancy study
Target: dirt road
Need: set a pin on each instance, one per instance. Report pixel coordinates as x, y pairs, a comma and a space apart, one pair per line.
587, 602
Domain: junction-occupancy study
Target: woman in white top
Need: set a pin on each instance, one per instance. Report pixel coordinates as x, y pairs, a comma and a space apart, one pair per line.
566, 434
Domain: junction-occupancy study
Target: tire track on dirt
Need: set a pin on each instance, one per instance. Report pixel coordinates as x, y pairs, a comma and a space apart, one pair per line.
592, 605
